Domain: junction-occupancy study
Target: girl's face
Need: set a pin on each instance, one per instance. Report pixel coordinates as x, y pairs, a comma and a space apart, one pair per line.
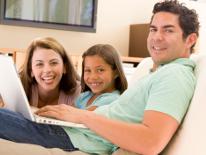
47, 68
98, 75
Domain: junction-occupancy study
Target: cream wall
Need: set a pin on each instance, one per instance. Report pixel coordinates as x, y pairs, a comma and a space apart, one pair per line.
200, 8
113, 20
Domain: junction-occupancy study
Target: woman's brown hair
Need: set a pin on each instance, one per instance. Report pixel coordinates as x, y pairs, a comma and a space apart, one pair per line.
69, 79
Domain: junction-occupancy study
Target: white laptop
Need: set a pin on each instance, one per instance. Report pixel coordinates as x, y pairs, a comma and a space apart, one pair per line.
14, 96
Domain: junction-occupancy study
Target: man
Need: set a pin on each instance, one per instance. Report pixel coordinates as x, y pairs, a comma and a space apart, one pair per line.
146, 116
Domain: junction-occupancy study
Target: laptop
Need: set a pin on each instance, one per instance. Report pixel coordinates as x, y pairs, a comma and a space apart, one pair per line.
14, 96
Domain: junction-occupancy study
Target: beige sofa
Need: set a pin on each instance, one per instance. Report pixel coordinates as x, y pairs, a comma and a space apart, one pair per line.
189, 140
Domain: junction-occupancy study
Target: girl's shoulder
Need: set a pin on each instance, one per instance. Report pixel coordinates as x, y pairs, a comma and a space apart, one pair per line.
109, 96
106, 98
89, 94
86, 93
114, 93
82, 99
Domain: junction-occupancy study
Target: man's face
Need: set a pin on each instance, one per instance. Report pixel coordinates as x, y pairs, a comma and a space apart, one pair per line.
165, 41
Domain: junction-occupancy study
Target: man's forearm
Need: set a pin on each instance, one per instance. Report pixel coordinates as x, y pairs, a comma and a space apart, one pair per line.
133, 137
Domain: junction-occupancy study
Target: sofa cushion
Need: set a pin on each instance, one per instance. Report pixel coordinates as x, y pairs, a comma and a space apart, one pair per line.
12, 148
141, 70
191, 138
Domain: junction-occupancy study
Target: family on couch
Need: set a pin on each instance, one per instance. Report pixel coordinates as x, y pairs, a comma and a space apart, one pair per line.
143, 118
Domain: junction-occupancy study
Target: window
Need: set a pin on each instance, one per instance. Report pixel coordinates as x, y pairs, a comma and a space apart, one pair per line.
76, 15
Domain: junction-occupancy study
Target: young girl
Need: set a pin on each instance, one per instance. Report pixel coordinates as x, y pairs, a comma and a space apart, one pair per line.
103, 79
48, 75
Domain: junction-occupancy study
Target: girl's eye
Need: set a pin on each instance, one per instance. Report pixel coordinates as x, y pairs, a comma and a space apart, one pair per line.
39, 64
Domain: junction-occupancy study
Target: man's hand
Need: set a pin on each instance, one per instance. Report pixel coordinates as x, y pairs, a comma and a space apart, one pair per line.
62, 112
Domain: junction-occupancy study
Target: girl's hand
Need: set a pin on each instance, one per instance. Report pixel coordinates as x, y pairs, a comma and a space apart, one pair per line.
62, 112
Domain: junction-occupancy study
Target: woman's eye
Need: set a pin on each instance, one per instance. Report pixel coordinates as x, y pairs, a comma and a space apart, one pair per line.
53, 63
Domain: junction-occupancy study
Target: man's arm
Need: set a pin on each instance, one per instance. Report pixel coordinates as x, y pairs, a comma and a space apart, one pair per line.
149, 137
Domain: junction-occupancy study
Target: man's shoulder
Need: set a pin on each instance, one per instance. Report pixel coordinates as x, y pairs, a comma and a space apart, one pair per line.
180, 64
176, 71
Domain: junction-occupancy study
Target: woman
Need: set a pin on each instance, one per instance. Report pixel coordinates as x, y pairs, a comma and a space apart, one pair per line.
48, 75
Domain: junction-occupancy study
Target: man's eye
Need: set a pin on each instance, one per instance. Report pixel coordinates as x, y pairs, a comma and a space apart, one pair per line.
100, 70
152, 30
168, 30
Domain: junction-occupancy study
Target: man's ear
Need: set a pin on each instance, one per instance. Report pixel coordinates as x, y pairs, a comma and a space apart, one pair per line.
191, 40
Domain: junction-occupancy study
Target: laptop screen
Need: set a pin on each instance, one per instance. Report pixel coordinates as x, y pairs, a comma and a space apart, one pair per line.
11, 89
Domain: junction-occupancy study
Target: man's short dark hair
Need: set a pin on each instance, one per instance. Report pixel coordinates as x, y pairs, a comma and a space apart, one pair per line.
188, 18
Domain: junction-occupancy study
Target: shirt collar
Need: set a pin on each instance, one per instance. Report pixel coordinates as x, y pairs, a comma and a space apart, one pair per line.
183, 61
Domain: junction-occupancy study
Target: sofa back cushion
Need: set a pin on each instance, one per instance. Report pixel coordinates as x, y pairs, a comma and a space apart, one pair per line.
191, 137
141, 70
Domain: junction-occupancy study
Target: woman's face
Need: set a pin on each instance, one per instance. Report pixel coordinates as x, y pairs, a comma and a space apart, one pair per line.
47, 68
